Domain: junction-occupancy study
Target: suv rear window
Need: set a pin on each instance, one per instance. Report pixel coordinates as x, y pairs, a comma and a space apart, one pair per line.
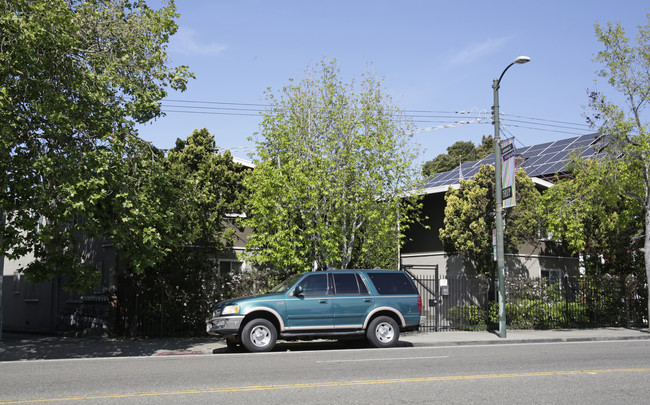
392, 283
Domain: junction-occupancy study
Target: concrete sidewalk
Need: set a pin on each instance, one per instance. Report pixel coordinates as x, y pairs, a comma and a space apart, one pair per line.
15, 347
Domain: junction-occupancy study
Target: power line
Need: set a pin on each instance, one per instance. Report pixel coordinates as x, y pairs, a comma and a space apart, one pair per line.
546, 120
547, 125
445, 119
209, 113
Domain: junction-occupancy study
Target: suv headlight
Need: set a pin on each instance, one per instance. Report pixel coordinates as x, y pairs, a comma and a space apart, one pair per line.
230, 309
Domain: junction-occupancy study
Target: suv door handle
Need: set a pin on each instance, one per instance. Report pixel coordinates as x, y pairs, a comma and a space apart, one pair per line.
367, 300
323, 301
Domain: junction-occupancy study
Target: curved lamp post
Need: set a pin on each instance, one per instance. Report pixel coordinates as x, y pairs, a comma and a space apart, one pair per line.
498, 189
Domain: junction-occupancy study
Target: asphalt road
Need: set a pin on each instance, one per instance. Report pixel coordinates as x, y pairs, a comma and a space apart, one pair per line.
580, 373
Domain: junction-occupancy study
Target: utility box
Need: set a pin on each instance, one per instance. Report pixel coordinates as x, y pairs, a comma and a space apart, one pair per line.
444, 288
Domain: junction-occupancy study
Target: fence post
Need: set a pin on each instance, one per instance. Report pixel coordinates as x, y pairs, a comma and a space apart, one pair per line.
566, 300
436, 296
135, 319
162, 310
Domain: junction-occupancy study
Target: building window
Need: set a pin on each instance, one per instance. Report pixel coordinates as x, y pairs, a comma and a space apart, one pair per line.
229, 266
552, 276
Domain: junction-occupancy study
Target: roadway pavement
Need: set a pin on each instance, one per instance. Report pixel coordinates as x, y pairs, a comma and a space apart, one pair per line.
15, 347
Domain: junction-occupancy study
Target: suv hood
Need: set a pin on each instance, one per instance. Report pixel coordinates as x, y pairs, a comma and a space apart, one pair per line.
249, 298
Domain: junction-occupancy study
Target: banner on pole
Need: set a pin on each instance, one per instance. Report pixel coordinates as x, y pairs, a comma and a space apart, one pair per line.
508, 172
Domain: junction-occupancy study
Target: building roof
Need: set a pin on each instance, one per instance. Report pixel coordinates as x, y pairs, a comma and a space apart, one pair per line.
540, 162
244, 162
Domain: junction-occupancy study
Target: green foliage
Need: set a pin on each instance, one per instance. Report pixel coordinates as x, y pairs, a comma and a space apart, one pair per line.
469, 218
175, 298
606, 210
458, 153
467, 317
581, 302
593, 217
333, 165
626, 68
75, 77
203, 186
209, 187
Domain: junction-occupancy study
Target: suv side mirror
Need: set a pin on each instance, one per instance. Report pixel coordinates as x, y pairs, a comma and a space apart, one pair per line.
298, 291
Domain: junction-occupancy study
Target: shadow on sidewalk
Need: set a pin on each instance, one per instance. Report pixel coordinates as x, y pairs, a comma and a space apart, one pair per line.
31, 347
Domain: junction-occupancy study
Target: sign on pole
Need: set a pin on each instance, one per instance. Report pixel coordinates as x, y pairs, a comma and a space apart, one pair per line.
508, 172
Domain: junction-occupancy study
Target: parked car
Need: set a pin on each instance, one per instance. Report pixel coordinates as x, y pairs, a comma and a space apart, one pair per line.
377, 304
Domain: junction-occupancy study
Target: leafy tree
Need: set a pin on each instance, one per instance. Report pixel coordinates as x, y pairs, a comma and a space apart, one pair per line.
75, 77
457, 153
205, 186
333, 163
626, 175
210, 187
469, 218
589, 212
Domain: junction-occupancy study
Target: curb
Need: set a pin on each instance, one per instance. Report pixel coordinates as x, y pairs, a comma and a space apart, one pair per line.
528, 341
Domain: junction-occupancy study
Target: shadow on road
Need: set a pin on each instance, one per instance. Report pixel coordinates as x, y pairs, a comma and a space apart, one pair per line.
14, 347
315, 345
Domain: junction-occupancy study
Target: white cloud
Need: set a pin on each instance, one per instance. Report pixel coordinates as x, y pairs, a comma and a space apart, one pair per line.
475, 51
185, 42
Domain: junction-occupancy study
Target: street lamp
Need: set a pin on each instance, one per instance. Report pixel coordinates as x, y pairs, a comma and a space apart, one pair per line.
498, 190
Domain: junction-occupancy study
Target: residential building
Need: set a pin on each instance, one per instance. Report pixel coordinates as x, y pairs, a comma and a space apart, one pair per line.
543, 163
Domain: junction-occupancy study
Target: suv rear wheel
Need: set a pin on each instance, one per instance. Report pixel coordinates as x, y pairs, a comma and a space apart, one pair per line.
383, 332
259, 335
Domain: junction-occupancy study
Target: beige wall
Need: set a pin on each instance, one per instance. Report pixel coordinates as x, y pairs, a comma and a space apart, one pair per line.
530, 265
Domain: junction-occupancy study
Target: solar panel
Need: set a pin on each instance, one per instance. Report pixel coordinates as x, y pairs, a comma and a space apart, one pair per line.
556, 168
534, 161
542, 160
564, 142
554, 149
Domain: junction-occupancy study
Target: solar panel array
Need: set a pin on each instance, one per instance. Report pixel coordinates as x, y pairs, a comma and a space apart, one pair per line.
543, 161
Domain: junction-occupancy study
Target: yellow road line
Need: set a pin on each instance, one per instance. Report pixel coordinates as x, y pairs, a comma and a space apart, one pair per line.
325, 384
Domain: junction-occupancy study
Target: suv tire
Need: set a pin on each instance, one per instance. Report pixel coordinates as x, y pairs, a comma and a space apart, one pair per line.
383, 332
259, 335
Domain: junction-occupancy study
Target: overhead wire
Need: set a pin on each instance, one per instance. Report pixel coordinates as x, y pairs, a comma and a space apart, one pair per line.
444, 119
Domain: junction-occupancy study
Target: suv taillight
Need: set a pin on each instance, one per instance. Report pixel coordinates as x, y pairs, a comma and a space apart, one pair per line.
420, 304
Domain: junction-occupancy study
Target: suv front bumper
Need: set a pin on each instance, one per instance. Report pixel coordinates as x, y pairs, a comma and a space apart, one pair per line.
223, 325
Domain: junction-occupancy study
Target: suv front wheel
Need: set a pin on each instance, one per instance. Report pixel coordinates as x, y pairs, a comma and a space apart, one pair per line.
259, 335
383, 332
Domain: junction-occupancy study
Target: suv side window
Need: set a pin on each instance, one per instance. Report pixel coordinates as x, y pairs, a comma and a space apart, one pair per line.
314, 285
392, 283
348, 284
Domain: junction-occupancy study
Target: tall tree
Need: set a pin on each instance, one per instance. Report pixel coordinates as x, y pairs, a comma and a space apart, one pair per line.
210, 187
458, 153
589, 212
204, 187
333, 163
469, 218
626, 68
75, 78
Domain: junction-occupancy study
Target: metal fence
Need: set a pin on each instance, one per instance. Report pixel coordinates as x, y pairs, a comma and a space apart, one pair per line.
461, 303
469, 303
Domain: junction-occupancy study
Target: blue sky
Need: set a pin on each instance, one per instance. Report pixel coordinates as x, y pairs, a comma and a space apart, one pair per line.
439, 57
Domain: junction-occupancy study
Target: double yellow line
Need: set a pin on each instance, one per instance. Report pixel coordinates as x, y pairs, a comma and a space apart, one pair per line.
325, 385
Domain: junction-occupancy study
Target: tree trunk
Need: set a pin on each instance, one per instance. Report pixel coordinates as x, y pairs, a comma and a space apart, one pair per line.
646, 254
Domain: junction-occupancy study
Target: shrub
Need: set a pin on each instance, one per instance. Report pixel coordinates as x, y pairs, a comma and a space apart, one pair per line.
467, 317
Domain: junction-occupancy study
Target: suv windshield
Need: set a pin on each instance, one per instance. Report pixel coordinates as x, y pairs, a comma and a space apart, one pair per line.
285, 285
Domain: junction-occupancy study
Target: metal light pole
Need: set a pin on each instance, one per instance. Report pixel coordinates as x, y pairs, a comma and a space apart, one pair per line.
498, 190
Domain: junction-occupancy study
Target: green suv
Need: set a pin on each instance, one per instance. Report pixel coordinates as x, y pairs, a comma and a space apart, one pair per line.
322, 304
